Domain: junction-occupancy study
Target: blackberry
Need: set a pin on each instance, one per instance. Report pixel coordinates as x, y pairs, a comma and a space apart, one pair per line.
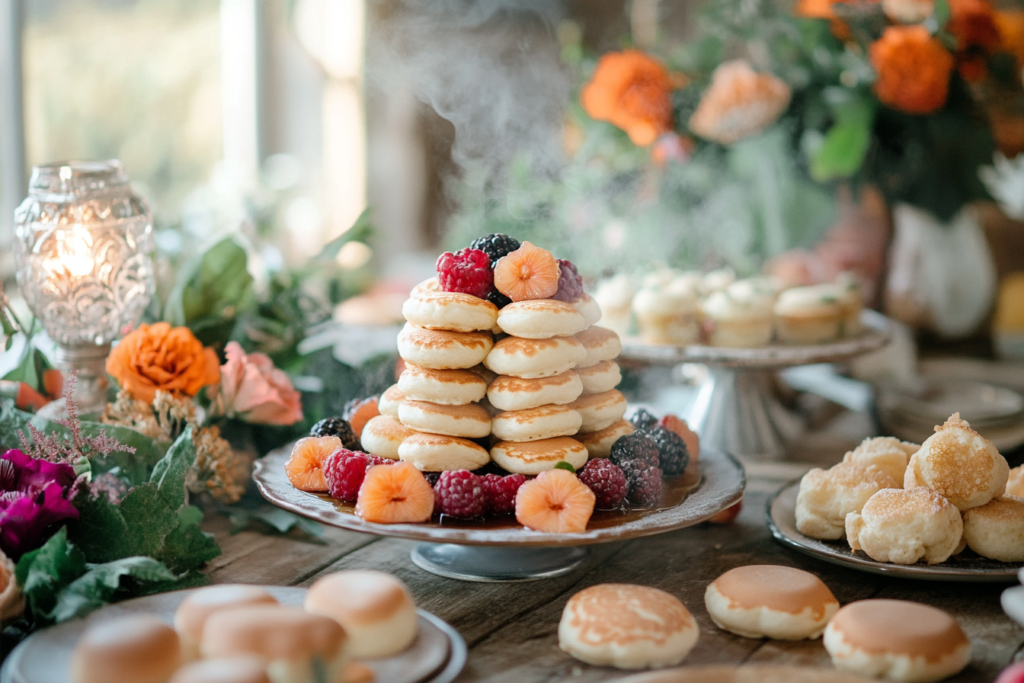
643, 420
672, 449
607, 481
432, 478
335, 426
635, 447
495, 246
498, 299
644, 482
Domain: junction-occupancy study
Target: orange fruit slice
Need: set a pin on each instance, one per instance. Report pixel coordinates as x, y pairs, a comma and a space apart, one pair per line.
556, 502
305, 467
362, 414
529, 272
392, 494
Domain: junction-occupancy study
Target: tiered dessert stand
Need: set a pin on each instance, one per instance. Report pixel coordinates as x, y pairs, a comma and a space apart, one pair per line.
736, 409
505, 551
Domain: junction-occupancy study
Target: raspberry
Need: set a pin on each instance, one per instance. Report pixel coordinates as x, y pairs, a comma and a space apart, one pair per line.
372, 460
606, 480
467, 271
344, 471
498, 299
643, 420
674, 456
635, 447
500, 492
570, 284
644, 483
460, 493
495, 246
335, 426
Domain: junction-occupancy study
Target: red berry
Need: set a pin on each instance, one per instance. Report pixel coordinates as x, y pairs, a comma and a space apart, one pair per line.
644, 482
467, 271
372, 460
570, 284
500, 492
460, 493
606, 480
344, 471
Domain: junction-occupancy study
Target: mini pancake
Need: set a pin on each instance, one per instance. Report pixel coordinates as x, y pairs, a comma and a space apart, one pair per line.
600, 378
437, 453
534, 424
540, 319
600, 344
443, 350
513, 393
535, 358
769, 601
535, 457
898, 640
599, 443
190, 617
388, 402
382, 436
469, 421
431, 284
446, 387
453, 311
589, 308
600, 410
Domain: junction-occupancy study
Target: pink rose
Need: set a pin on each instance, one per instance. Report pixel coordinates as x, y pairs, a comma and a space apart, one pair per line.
253, 390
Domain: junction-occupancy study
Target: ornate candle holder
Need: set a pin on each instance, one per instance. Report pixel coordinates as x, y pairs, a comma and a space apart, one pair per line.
83, 252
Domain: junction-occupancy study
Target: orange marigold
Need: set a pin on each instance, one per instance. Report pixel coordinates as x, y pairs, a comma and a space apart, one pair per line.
739, 103
913, 69
973, 22
631, 90
159, 357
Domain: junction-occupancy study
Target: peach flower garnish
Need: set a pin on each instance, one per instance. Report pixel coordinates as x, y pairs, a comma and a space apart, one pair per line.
253, 390
161, 357
631, 90
739, 103
913, 69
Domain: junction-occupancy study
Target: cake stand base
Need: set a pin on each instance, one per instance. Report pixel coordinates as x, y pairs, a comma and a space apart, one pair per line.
496, 564
736, 411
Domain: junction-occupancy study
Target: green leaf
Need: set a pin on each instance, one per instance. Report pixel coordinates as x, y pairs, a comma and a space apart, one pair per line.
939, 18
279, 519
169, 474
43, 573
30, 368
101, 582
563, 465
361, 231
847, 142
212, 286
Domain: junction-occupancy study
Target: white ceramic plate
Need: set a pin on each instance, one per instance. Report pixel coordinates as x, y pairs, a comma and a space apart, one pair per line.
437, 655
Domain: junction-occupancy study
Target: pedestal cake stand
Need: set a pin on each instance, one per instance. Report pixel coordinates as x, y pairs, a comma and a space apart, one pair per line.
736, 410
505, 551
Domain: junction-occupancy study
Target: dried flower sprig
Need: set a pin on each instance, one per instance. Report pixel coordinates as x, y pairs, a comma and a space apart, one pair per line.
73, 447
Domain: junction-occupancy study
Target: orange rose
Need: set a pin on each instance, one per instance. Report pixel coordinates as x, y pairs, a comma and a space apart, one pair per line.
740, 102
163, 358
913, 69
973, 22
632, 91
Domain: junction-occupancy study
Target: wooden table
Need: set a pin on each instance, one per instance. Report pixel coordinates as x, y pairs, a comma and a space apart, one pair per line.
511, 629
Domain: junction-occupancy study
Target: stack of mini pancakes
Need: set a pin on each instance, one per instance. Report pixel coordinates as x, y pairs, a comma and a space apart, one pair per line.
431, 416
543, 400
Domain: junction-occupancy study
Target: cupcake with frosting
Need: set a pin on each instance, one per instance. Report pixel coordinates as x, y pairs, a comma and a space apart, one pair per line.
666, 312
809, 315
740, 315
615, 297
852, 300
716, 280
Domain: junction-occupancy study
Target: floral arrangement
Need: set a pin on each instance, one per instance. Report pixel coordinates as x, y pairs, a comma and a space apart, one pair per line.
730, 148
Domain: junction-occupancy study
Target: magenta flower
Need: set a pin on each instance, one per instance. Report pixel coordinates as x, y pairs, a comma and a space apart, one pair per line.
33, 498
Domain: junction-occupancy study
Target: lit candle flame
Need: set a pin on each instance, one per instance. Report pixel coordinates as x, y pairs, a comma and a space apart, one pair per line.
72, 253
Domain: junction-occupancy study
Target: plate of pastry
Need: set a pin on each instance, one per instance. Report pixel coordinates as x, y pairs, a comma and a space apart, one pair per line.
356, 626
949, 509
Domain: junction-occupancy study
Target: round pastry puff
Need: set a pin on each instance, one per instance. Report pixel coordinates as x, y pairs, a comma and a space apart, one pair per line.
468, 422
443, 350
132, 648
535, 358
437, 453
534, 424
512, 393
769, 601
452, 311
627, 626
237, 669
886, 453
903, 526
540, 319
827, 496
996, 529
897, 640
445, 387
191, 615
534, 457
